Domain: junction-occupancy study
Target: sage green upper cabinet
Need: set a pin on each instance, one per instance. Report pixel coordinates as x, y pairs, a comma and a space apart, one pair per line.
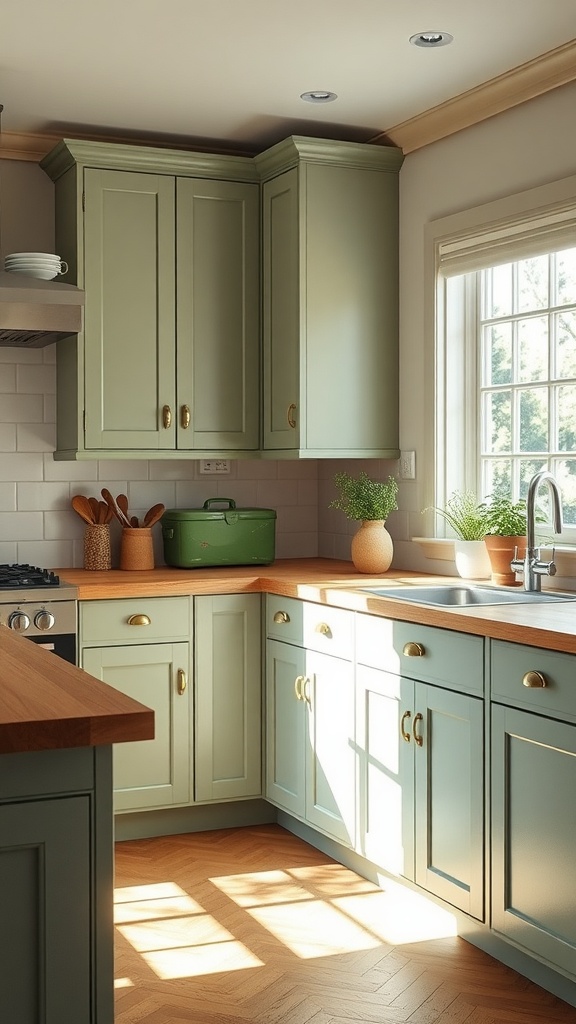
166, 246
330, 299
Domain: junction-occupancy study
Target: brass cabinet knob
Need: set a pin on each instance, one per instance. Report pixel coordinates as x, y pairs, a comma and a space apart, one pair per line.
181, 681
324, 629
185, 417
281, 617
139, 620
166, 417
417, 737
413, 650
534, 680
291, 415
404, 733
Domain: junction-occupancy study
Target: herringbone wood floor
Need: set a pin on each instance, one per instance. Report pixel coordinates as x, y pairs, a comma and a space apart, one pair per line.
253, 925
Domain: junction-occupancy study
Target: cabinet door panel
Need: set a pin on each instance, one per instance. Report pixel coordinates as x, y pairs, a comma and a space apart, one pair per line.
533, 834
217, 318
129, 313
449, 804
227, 697
149, 773
330, 781
285, 728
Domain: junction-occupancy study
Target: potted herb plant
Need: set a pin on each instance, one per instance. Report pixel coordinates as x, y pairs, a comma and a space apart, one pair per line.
505, 533
370, 502
467, 518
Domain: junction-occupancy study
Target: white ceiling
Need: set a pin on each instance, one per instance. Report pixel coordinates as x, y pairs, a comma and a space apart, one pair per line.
230, 72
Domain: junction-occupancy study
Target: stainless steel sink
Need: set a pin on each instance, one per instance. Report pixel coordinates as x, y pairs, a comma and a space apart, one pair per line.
464, 595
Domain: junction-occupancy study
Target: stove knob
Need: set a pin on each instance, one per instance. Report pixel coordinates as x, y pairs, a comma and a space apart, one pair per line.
18, 621
44, 619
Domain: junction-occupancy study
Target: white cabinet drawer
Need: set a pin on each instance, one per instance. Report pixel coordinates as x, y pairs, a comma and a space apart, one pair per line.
135, 620
314, 626
542, 681
441, 656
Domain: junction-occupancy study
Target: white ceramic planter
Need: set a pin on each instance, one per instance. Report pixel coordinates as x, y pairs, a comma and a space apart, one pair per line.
472, 560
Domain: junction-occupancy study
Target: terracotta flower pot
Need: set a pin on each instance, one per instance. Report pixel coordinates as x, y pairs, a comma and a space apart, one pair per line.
371, 547
501, 552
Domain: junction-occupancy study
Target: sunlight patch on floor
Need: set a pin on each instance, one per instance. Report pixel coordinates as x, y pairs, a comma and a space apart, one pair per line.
123, 983
258, 888
162, 901
194, 961
313, 929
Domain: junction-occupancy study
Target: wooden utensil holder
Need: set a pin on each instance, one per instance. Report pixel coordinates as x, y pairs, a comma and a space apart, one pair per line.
136, 548
97, 554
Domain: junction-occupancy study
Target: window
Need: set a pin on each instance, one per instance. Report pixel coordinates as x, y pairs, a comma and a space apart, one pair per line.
505, 325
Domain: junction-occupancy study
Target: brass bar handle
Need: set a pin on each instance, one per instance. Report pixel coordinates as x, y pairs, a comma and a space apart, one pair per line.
306, 691
291, 415
182, 681
166, 417
280, 617
185, 417
534, 680
139, 620
417, 737
404, 733
413, 650
324, 629
298, 687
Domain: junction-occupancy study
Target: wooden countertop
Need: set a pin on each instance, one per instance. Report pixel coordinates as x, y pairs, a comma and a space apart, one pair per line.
48, 704
328, 581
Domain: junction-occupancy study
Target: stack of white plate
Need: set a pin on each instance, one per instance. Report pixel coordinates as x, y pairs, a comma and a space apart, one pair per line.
44, 265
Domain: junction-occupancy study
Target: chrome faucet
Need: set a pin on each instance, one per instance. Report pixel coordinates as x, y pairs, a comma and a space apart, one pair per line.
531, 565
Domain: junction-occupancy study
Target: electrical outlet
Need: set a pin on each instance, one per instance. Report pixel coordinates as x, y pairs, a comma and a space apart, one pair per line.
214, 467
407, 465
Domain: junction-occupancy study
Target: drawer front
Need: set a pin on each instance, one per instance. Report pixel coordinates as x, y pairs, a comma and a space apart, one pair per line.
135, 620
440, 656
314, 626
511, 668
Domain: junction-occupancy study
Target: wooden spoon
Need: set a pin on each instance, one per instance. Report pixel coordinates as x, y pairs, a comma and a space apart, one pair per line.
95, 506
154, 514
112, 504
134, 522
122, 502
81, 505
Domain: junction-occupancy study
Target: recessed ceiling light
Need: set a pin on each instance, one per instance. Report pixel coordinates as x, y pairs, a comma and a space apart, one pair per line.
431, 39
318, 96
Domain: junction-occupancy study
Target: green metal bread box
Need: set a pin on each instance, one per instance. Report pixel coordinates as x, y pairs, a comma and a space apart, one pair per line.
195, 537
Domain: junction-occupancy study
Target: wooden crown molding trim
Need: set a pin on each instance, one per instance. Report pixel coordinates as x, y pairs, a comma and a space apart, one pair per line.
528, 81
20, 146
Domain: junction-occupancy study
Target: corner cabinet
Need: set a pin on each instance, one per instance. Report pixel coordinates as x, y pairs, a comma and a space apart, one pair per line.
166, 247
330, 299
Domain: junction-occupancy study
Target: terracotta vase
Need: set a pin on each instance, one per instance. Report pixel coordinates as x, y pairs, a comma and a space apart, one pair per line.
501, 552
371, 547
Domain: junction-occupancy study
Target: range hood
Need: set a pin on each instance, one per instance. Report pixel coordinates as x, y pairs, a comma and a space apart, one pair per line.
35, 313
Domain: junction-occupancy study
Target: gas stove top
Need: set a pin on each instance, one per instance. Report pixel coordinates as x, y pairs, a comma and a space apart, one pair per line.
26, 577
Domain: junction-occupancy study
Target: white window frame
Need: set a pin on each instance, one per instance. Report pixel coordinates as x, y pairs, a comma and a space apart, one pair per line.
503, 231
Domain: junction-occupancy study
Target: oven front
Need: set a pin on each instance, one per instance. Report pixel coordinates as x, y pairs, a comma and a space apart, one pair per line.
48, 619
62, 644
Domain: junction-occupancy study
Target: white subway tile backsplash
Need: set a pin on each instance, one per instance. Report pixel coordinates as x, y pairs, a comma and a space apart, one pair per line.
20, 355
7, 378
54, 470
142, 494
123, 469
36, 437
8, 552
190, 494
21, 409
36, 379
65, 525
21, 466
172, 469
7, 437
17, 526
272, 493
41, 496
299, 469
8, 497
50, 554
49, 408
251, 469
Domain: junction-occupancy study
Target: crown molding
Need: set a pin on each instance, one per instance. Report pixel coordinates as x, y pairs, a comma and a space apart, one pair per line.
526, 82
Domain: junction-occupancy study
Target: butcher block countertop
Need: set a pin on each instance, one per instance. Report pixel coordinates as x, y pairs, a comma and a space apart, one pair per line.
327, 581
48, 704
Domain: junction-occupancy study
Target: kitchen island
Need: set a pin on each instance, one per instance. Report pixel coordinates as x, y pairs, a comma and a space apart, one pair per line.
57, 727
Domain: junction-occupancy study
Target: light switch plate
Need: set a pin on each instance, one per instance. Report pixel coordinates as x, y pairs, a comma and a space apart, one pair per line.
407, 465
214, 467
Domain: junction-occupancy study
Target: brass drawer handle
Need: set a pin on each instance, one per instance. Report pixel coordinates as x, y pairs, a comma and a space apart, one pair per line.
298, 687
166, 417
280, 617
417, 737
413, 650
534, 680
139, 620
182, 681
185, 417
405, 735
324, 629
291, 415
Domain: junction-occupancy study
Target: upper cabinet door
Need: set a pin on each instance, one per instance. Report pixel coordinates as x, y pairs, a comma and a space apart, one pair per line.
217, 315
129, 314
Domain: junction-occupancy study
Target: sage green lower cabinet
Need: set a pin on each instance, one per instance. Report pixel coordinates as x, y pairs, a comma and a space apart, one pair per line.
56, 878
227, 697
420, 758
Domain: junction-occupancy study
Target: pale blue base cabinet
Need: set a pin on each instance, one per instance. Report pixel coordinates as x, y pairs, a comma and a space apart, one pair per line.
56, 878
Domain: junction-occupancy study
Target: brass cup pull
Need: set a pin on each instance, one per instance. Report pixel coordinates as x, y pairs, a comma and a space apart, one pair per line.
291, 415
139, 620
280, 617
324, 629
298, 687
166, 417
181, 681
534, 680
185, 417
413, 650
417, 737
405, 735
